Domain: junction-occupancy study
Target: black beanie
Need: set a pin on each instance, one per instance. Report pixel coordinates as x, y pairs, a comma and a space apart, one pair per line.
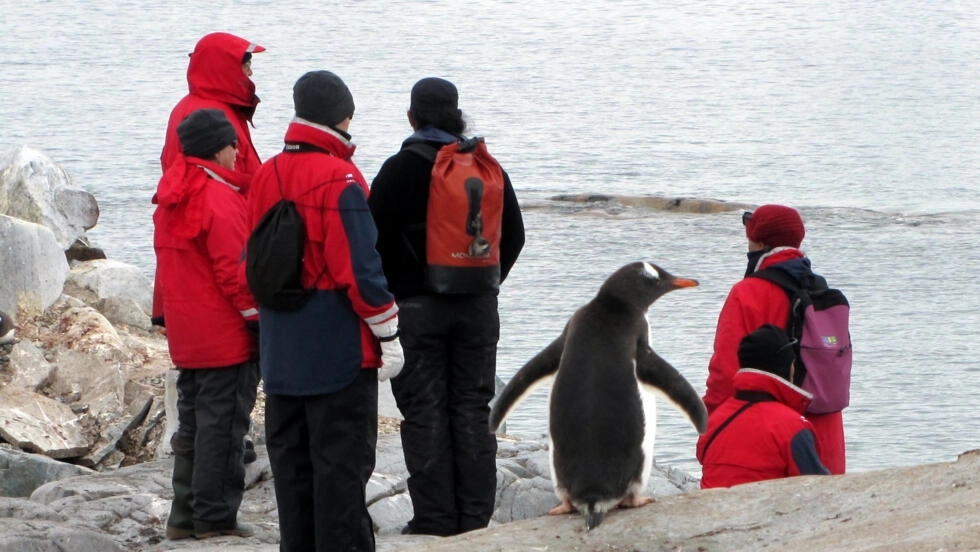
434, 93
205, 132
321, 97
766, 349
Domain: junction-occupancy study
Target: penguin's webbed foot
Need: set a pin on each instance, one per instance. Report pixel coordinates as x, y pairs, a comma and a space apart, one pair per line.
635, 501
564, 508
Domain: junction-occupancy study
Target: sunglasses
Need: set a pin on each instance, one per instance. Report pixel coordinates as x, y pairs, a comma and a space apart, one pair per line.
746, 217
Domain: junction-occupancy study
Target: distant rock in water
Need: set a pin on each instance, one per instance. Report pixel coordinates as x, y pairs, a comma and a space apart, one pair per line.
680, 204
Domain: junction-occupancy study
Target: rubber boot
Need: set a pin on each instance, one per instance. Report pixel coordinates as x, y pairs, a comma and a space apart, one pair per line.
180, 524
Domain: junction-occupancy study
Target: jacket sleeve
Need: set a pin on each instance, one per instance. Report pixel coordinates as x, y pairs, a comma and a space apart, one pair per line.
359, 271
512, 230
225, 242
739, 316
803, 451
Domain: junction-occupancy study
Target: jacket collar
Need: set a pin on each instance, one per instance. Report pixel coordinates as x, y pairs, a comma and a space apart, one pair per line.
431, 134
751, 379
321, 136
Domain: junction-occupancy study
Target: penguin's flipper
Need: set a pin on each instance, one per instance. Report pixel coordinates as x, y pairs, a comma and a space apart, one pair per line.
667, 381
535, 373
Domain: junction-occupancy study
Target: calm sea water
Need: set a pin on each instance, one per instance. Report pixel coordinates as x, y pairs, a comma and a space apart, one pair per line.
865, 116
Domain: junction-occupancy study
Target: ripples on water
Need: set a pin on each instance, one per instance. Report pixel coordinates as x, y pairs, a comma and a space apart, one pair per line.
863, 115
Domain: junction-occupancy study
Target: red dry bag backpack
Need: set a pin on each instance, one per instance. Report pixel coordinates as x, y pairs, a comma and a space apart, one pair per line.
463, 220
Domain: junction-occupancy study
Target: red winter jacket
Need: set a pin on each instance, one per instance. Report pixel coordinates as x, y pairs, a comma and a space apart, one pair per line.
216, 81
199, 233
321, 347
768, 440
751, 303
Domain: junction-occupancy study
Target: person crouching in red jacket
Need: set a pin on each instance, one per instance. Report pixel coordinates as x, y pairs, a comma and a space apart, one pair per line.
760, 433
200, 230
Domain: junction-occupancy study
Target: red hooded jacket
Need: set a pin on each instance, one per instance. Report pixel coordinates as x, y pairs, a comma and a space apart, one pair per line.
199, 234
768, 440
216, 81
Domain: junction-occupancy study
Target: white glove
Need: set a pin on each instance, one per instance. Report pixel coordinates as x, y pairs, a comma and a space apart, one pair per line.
392, 355
392, 359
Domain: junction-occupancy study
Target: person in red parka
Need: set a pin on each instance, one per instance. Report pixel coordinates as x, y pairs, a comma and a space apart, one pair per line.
218, 77
774, 234
200, 230
760, 432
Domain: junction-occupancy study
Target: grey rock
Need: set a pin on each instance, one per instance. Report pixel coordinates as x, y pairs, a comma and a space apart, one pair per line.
21, 472
35, 189
30, 370
36, 423
109, 278
124, 310
53, 536
391, 514
34, 267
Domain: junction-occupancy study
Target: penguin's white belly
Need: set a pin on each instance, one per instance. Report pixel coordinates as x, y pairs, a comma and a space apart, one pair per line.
649, 435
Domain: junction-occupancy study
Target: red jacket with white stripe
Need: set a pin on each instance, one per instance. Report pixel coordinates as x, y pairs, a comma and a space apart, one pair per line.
321, 347
199, 234
768, 440
216, 81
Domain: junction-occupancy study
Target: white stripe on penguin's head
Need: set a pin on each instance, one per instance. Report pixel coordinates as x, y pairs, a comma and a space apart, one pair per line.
651, 271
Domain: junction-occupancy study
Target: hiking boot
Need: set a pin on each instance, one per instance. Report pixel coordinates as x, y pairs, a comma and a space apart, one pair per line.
239, 530
178, 533
180, 522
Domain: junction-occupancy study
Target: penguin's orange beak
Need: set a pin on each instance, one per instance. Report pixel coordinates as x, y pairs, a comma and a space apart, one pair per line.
685, 282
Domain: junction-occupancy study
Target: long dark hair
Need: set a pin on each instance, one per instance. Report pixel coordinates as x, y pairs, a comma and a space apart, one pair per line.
444, 118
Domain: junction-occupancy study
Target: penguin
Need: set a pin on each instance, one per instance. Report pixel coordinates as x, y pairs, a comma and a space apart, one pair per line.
6, 328
602, 416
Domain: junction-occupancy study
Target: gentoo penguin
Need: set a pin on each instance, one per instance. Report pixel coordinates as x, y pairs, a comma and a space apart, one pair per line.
601, 423
6, 328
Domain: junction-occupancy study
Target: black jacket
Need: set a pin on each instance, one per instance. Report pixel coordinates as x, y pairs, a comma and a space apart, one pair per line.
398, 200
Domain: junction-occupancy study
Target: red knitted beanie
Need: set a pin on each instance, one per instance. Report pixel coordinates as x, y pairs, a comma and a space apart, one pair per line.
775, 226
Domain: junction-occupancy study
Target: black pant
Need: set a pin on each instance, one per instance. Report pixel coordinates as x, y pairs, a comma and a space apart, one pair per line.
322, 449
214, 406
444, 392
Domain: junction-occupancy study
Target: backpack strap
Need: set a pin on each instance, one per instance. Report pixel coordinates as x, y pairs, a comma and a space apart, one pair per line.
275, 166
811, 280
424, 150
751, 398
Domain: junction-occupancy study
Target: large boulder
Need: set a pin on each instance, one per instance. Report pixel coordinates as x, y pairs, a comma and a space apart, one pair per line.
33, 266
109, 279
35, 189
